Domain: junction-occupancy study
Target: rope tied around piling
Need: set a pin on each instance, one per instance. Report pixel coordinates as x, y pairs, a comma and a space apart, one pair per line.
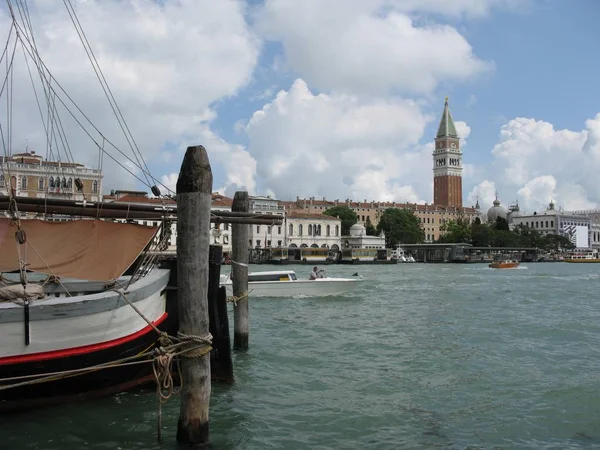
236, 299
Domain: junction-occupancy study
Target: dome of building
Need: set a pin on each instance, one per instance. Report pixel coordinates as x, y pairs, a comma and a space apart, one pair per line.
513, 211
496, 211
358, 230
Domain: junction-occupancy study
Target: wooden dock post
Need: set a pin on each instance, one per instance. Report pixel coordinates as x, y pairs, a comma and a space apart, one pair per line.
239, 271
194, 188
221, 364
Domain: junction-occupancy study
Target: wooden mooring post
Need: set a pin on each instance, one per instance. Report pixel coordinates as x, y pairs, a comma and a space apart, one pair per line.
239, 272
221, 364
194, 188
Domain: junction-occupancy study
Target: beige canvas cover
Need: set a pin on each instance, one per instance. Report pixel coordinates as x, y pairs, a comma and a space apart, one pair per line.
93, 250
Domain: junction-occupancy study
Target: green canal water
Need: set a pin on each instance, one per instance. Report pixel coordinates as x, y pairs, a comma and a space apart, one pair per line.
419, 357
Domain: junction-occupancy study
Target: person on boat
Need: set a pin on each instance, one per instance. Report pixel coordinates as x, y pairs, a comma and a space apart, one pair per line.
314, 274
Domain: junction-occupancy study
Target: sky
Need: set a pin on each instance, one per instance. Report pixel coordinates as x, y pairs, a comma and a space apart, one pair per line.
338, 99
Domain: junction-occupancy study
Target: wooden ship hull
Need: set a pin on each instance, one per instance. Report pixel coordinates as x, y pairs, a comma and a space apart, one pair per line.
67, 335
54, 332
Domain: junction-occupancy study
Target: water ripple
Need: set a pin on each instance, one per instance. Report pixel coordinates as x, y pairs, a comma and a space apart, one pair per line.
418, 357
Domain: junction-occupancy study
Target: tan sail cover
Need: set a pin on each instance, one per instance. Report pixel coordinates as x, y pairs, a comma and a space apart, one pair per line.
87, 249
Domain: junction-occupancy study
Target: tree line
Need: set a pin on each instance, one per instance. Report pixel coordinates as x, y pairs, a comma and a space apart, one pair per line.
402, 226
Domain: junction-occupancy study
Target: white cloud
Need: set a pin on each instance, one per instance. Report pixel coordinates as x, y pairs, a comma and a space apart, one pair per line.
166, 63
341, 146
535, 163
484, 192
371, 46
239, 166
463, 131
469, 8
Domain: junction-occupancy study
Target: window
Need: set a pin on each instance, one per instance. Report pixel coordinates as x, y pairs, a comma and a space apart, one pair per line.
269, 229
64, 182
300, 230
226, 226
268, 243
552, 223
337, 230
226, 239
319, 230
291, 232
23, 182
328, 229
278, 230
250, 242
70, 183
546, 224
258, 242
40, 184
95, 186
279, 243
310, 230
51, 182
258, 228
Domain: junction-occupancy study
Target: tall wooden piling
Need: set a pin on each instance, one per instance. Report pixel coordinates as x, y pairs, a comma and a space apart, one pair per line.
239, 270
194, 187
221, 364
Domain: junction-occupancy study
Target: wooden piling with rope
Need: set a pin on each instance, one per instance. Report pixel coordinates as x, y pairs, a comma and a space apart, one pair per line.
194, 187
239, 271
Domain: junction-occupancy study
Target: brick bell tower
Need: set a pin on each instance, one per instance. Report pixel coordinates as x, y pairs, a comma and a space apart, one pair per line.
447, 164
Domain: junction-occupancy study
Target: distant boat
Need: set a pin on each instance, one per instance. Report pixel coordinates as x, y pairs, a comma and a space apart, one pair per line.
583, 257
401, 256
503, 262
285, 283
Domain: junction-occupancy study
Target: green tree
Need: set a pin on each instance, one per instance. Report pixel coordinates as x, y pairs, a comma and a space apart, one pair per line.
455, 231
556, 243
345, 214
528, 237
481, 235
370, 229
501, 224
401, 226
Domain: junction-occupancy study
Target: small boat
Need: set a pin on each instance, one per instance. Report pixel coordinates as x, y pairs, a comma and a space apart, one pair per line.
285, 283
503, 262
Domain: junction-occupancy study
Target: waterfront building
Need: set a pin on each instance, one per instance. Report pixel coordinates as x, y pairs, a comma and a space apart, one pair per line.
580, 229
266, 236
312, 230
358, 238
432, 217
30, 175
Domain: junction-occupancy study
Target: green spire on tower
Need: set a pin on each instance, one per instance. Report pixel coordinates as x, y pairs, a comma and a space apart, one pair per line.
447, 128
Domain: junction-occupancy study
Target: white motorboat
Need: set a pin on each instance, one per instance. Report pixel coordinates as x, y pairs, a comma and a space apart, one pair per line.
285, 283
402, 257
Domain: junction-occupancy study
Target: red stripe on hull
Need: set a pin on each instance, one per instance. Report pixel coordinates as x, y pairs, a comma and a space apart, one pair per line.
55, 354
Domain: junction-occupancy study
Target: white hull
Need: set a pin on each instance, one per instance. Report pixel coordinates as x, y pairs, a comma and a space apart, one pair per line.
298, 288
64, 323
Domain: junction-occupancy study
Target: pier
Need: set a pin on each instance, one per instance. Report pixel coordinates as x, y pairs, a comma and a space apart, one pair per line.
466, 253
